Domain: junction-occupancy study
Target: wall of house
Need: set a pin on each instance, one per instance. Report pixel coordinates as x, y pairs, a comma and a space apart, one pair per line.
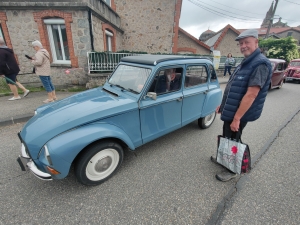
229, 45
23, 29
98, 35
187, 45
295, 34
147, 24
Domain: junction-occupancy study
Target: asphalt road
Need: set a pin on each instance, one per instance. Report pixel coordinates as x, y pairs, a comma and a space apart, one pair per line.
171, 180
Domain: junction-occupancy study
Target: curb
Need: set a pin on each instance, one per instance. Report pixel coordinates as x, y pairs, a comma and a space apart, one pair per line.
16, 119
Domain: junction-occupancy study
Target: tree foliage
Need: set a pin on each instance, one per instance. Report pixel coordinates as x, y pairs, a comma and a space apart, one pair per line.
284, 48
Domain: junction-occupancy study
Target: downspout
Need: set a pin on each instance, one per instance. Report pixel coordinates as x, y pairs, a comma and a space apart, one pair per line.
91, 29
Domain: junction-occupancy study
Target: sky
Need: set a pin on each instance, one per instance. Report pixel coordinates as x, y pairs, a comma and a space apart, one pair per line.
199, 15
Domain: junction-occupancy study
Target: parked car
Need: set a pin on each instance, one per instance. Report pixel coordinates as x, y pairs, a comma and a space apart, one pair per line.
293, 71
145, 98
278, 73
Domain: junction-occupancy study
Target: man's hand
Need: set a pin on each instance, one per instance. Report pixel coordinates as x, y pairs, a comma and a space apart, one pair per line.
217, 110
234, 126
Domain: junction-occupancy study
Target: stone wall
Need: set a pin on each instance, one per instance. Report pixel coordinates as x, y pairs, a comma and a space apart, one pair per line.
229, 45
98, 35
23, 30
185, 43
147, 24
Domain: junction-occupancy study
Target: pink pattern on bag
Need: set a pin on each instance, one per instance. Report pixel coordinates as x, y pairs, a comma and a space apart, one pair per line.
234, 149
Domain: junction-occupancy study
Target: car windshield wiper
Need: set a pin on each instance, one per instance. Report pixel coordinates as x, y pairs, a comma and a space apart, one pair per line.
131, 90
119, 86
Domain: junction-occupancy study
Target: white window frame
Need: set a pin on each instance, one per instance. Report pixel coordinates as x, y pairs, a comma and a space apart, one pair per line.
58, 22
1, 33
108, 2
109, 36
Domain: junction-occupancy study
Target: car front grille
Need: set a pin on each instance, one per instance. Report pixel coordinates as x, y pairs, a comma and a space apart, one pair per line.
290, 73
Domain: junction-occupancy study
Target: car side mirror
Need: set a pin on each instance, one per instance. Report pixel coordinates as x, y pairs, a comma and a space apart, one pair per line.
152, 95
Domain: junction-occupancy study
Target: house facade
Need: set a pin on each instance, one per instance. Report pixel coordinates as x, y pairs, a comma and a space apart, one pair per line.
223, 41
69, 29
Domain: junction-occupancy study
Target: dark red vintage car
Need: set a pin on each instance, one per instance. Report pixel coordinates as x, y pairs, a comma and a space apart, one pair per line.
278, 73
293, 71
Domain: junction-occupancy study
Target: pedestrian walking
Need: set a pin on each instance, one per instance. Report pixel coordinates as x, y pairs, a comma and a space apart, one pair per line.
41, 62
10, 69
246, 91
229, 62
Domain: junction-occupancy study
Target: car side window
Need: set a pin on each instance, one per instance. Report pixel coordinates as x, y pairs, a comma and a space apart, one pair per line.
167, 80
195, 75
280, 67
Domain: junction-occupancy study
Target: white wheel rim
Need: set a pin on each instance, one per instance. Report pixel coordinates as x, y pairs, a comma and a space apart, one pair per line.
102, 164
209, 119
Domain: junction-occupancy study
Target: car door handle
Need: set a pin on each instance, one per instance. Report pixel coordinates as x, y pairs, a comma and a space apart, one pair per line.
179, 99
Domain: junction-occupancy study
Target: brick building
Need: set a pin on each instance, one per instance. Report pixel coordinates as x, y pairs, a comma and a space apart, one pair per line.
69, 29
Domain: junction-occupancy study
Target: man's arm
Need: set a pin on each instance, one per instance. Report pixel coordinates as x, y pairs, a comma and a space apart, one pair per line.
246, 103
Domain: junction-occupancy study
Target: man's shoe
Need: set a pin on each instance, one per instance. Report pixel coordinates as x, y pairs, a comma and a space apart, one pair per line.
225, 176
48, 100
14, 98
26, 93
213, 159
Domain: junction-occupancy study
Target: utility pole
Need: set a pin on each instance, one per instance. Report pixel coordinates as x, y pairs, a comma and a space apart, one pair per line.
271, 20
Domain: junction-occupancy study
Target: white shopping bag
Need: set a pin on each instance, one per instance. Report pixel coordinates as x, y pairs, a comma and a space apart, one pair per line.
230, 154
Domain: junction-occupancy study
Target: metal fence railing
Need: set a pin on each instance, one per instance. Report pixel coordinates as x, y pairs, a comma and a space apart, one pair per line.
107, 61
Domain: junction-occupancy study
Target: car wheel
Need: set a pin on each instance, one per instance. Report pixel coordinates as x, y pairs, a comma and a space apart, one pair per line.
205, 122
98, 162
280, 85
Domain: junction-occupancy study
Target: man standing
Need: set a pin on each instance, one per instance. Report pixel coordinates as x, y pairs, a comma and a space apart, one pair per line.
246, 90
9, 67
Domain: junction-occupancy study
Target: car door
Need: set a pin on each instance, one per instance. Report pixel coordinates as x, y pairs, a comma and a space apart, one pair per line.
277, 74
194, 92
163, 115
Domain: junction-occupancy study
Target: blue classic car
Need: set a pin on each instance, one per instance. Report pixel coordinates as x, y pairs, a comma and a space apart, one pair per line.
145, 98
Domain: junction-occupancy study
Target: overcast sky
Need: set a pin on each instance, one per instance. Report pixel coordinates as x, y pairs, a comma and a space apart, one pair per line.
199, 15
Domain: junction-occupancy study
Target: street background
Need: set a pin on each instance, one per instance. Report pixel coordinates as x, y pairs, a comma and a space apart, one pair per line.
167, 181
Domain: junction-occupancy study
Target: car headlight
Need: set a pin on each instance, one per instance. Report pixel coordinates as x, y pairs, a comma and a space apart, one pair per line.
46, 153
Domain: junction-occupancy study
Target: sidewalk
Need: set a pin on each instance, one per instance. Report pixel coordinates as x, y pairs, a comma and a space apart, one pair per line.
22, 110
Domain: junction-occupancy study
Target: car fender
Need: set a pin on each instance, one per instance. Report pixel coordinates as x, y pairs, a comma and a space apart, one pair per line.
64, 148
212, 101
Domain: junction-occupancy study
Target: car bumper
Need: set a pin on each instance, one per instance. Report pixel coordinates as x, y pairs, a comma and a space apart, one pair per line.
291, 78
26, 163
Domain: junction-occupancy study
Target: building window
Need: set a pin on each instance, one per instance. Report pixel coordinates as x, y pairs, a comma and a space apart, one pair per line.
108, 36
107, 2
1, 33
289, 34
58, 40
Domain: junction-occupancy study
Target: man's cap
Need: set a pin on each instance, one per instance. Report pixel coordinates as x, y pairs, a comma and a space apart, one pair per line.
248, 33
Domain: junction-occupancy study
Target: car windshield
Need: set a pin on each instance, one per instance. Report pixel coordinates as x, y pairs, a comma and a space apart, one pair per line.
273, 65
295, 64
130, 78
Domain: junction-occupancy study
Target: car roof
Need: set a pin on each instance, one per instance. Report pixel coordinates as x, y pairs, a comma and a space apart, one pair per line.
277, 60
295, 60
155, 59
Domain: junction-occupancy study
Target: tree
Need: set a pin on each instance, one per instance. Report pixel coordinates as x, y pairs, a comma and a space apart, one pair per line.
284, 48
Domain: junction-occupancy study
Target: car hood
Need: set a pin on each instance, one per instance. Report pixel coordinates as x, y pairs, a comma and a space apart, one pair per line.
69, 113
293, 68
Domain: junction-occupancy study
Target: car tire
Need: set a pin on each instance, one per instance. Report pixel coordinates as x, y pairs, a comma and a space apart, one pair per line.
280, 85
98, 162
207, 121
